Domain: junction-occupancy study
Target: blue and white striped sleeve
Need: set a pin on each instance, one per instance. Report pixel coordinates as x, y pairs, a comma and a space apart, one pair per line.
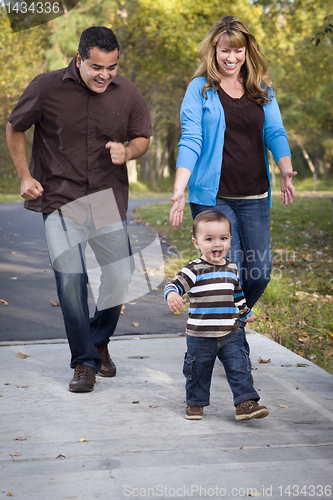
182, 283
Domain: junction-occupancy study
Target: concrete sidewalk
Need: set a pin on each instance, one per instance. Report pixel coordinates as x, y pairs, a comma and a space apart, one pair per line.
129, 439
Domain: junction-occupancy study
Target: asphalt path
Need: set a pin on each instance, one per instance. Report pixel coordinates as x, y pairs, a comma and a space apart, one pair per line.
27, 282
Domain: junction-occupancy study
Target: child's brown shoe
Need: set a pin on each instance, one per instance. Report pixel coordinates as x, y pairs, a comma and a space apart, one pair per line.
250, 409
194, 413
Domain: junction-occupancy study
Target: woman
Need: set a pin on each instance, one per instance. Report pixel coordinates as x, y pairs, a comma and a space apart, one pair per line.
229, 118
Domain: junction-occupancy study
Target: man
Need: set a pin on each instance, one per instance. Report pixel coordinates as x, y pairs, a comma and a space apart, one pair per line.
88, 122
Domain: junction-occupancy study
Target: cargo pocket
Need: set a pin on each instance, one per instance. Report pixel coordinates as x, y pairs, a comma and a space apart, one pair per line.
188, 368
247, 361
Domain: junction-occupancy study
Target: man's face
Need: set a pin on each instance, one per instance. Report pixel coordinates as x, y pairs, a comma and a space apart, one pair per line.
99, 70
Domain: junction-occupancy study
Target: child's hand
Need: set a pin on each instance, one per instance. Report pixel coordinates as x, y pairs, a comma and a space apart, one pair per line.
251, 318
175, 302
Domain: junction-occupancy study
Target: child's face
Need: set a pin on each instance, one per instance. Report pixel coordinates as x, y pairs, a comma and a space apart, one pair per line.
213, 239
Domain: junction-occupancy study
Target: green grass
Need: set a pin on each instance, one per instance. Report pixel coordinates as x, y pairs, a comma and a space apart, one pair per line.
163, 190
10, 191
296, 309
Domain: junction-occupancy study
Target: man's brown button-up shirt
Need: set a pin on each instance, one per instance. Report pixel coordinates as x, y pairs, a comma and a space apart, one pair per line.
72, 126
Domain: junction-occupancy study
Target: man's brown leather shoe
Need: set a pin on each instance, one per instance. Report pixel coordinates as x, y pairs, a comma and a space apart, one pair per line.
83, 380
108, 368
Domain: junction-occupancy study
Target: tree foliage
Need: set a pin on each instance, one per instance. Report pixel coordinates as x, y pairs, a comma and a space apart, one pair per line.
22, 56
159, 42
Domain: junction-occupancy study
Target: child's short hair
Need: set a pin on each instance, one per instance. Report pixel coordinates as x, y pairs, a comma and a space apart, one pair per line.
209, 216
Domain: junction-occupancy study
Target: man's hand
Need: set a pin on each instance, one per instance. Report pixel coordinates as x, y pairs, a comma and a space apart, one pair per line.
175, 302
31, 189
117, 152
120, 153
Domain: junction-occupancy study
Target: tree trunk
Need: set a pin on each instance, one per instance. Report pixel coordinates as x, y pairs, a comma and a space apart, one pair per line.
327, 167
311, 166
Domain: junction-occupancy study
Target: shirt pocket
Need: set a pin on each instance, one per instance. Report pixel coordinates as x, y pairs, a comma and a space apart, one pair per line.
116, 125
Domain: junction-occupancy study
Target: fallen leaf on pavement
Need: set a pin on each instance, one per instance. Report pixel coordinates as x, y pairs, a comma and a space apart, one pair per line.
4, 303
135, 402
14, 454
21, 355
283, 406
153, 406
136, 324
83, 440
62, 457
302, 364
9, 494
21, 438
54, 303
264, 360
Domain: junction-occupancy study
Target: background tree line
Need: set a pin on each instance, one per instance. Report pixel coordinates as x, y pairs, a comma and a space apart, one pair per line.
159, 42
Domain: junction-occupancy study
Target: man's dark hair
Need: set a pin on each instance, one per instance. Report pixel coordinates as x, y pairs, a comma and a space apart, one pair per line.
209, 216
97, 36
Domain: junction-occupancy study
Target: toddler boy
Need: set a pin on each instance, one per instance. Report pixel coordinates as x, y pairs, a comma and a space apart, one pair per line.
216, 303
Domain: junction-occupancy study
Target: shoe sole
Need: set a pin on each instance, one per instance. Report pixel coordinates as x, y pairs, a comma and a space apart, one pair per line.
194, 417
256, 414
105, 375
81, 389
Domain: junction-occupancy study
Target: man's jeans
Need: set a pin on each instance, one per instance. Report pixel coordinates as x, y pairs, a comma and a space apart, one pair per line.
250, 245
111, 247
199, 363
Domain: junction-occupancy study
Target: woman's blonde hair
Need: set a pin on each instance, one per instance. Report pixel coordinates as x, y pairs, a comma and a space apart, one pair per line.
253, 72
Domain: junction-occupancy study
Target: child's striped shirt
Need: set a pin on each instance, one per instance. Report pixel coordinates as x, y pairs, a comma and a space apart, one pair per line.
216, 297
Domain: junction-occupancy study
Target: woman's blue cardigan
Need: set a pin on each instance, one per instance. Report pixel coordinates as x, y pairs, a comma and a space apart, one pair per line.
201, 143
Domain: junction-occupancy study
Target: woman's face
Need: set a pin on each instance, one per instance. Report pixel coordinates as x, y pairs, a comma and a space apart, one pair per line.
229, 59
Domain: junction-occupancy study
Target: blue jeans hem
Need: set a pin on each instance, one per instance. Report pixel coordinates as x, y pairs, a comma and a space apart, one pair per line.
197, 404
252, 395
84, 363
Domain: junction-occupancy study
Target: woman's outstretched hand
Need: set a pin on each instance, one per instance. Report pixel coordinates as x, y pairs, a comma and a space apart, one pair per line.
177, 209
287, 188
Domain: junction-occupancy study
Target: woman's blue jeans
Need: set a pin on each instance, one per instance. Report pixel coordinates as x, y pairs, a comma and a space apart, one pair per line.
112, 251
250, 245
199, 363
